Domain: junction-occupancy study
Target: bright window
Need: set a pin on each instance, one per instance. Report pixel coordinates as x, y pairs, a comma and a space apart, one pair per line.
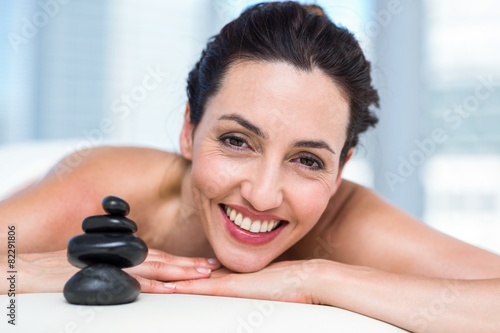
461, 77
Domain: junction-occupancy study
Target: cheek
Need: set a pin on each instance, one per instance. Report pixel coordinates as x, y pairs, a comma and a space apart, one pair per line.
213, 174
310, 201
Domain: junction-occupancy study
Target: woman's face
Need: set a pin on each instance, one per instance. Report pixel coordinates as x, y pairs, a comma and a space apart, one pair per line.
265, 160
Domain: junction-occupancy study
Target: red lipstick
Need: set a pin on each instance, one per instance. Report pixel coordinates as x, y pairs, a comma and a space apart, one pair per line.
245, 236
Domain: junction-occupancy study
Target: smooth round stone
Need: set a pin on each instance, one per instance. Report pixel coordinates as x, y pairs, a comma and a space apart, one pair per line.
108, 223
115, 206
121, 250
101, 284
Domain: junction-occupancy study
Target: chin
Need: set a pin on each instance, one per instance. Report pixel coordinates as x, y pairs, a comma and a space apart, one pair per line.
238, 268
242, 265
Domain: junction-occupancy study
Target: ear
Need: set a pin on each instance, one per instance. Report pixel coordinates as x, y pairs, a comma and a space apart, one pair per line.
339, 175
186, 139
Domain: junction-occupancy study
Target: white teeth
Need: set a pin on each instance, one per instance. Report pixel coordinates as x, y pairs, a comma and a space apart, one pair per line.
270, 226
247, 224
255, 226
233, 215
238, 219
263, 226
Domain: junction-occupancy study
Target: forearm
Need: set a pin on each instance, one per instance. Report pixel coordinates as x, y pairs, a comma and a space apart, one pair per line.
36, 272
414, 303
4, 284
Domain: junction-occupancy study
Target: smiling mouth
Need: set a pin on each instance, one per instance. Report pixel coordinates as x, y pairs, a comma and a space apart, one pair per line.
246, 223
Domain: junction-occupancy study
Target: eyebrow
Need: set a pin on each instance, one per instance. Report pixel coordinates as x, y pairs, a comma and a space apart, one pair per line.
251, 127
313, 144
245, 123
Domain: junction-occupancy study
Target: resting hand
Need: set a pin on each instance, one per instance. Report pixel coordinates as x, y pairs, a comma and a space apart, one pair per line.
157, 273
49, 271
291, 281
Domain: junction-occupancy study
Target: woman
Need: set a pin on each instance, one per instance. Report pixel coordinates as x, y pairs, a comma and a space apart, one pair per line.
276, 104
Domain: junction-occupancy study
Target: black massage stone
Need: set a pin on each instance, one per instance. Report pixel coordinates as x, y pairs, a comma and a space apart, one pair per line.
120, 250
107, 245
108, 223
115, 206
101, 284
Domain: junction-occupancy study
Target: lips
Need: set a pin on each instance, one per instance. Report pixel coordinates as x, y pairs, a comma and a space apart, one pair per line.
250, 228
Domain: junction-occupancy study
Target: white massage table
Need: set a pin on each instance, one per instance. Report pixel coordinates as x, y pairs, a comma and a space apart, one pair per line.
182, 313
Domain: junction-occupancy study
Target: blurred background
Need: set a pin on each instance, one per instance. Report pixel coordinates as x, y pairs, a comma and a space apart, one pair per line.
80, 73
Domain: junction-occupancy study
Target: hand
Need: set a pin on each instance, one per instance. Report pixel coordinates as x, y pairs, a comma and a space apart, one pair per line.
160, 269
49, 271
291, 281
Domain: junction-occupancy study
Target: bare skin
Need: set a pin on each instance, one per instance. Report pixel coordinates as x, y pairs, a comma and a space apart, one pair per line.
360, 253
162, 220
414, 251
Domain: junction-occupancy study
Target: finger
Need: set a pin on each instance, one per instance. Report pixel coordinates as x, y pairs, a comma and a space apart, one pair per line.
157, 255
156, 270
230, 287
216, 287
153, 286
245, 285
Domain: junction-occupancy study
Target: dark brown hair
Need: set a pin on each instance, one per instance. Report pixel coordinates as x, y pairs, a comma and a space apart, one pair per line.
300, 35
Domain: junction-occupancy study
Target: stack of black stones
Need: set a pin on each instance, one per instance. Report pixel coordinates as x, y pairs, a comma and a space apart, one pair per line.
107, 246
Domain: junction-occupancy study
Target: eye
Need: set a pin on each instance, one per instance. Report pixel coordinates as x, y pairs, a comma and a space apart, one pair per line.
310, 162
234, 141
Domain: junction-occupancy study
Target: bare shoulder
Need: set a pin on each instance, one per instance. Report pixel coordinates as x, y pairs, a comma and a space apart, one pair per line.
49, 212
123, 171
361, 228
123, 159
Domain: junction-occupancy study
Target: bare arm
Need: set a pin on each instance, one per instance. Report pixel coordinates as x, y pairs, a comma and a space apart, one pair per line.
417, 304
420, 278
380, 262
36, 272
47, 214
414, 303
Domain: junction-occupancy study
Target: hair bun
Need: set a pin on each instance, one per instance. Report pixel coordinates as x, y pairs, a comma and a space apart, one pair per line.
314, 9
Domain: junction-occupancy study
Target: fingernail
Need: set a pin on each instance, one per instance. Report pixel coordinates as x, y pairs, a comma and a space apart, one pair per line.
169, 285
203, 270
213, 261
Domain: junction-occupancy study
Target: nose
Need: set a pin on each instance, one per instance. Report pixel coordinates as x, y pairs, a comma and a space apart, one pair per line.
263, 187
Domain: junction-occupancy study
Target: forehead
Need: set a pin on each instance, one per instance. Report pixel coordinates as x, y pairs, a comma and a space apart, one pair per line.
280, 95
